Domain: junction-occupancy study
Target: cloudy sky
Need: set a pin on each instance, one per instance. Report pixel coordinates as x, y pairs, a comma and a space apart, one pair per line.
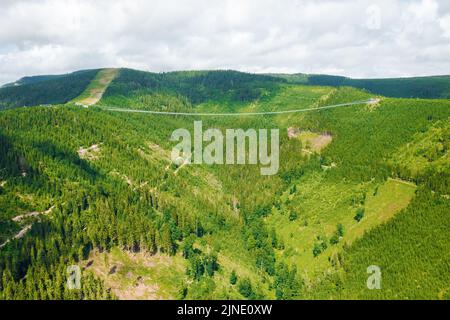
358, 38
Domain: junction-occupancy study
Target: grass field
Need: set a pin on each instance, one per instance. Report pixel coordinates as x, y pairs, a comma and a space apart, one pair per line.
97, 87
320, 206
427, 151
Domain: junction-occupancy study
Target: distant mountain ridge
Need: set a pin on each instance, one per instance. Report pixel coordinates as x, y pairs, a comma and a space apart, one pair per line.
41, 78
427, 87
201, 85
37, 90
30, 79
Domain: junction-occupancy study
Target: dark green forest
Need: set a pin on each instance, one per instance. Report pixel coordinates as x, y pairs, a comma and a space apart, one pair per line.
196, 86
436, 87
46, 90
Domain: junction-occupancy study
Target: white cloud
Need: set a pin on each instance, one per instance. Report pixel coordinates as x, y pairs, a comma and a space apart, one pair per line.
52, 36
445, 25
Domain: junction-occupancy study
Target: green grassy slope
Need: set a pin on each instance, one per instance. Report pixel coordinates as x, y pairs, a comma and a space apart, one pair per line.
412, 248
356, 163
97, 87
411, 251
426, 153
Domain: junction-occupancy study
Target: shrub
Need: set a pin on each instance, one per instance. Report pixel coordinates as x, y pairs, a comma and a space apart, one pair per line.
359, 214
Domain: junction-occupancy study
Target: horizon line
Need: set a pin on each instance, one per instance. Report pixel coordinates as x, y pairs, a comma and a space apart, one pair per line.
237, 70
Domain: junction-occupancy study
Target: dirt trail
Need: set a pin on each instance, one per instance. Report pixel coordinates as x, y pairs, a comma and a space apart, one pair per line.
19, 235
97, 87
32, 214
26, 228
403, 182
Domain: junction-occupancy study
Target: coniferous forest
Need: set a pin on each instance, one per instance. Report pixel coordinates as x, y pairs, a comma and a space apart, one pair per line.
358, 186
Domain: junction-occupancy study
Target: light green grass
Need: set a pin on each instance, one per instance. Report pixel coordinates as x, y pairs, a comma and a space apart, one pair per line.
97, 87
427, 150
320, 206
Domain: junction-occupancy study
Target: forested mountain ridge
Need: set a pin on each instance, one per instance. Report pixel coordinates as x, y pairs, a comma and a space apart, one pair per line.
31, 79
195, 86
45, 90
432, 87
108, 199
201, 86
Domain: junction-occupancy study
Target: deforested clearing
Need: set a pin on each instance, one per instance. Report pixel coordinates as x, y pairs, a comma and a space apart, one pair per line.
96, 88
311, 141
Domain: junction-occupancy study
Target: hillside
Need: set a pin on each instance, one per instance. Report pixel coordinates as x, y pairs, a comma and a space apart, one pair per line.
198, 86
96, 88
194, 86
45, 90
358, 185
435, 87
32, 79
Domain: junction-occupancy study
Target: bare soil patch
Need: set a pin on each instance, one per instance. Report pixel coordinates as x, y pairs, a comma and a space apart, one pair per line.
90, 153
31, 214
311, 142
